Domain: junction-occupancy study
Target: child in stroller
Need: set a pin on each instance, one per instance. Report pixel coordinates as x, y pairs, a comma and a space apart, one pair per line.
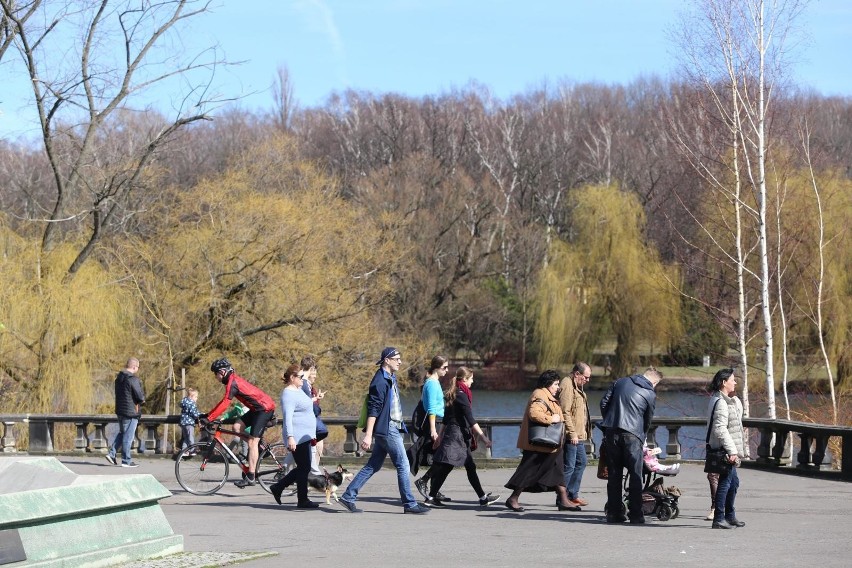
656, 499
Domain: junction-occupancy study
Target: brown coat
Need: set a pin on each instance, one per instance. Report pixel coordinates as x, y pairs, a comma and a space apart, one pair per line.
536, 412
575, 408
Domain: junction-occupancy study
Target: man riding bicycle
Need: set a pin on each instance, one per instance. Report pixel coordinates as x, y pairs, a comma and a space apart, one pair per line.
261, 409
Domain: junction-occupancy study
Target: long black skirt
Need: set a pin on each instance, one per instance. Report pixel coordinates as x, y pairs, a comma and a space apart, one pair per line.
538, 472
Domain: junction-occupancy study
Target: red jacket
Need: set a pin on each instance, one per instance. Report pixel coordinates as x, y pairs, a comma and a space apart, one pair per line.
239, 388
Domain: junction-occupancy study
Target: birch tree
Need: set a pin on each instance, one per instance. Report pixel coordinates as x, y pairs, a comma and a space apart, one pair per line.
736, 50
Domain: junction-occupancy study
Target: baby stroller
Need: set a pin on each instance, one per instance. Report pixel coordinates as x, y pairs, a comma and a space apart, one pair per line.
657, 500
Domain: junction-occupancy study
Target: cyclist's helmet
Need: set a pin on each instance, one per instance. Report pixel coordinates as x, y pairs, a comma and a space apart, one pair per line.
220, 364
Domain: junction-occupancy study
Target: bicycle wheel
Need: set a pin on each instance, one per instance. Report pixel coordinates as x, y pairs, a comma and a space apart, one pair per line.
270, 465
202, 469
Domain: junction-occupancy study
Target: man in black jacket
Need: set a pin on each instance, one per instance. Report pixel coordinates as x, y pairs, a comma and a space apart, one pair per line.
128, 396
627, 409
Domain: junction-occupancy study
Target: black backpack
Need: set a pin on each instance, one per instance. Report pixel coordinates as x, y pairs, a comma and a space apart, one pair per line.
418, 419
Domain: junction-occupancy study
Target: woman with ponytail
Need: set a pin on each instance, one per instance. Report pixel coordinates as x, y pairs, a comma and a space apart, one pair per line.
457, 438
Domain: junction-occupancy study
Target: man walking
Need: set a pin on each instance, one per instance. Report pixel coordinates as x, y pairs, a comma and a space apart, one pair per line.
129, 395
627, 409
578, 429
385, 423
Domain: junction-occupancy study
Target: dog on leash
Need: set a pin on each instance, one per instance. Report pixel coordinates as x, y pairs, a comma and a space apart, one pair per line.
330, 482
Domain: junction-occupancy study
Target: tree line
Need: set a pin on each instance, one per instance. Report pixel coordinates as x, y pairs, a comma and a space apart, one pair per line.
532, 228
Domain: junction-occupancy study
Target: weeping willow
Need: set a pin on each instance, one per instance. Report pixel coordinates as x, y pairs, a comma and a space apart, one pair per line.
56, 335
605, 276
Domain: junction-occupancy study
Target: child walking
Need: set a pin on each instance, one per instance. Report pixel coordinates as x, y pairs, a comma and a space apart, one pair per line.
188, 417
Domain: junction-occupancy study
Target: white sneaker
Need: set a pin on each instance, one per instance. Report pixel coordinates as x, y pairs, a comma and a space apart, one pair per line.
129, 464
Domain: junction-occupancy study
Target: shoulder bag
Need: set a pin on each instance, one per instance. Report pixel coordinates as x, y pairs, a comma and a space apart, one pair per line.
715, 461
549, 435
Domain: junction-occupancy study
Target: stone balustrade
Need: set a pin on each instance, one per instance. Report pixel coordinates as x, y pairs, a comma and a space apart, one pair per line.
772, 448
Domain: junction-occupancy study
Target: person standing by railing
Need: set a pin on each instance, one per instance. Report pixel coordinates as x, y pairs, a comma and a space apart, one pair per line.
725, 422
129, 396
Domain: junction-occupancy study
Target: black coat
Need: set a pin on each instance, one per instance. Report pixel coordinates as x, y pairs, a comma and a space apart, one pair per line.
128, 395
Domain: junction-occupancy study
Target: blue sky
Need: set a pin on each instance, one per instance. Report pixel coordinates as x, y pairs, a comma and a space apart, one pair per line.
422, 47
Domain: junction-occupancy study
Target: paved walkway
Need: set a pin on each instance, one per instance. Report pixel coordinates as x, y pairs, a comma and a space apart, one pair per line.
792, 521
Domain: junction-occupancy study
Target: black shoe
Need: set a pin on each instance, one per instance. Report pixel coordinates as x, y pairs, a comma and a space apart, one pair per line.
723, 525
434, 502
562, 507
515, 508
111, 459
422, 486
417, 509
443, 497
735, 522
637, 521
307, 505
616, 519
276, 492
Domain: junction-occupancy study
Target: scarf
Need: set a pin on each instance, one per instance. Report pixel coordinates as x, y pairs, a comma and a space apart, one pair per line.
466, 390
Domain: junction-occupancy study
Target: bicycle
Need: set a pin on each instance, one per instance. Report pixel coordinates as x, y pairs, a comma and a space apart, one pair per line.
202, 468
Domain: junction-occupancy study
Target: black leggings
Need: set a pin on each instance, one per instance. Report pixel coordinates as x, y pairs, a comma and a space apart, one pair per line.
440, 471
299, 474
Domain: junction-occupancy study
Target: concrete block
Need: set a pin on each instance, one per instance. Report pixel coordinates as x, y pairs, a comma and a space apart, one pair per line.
64, 519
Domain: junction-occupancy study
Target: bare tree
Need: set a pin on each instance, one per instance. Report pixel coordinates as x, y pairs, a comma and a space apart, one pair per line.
125, 50
285, 104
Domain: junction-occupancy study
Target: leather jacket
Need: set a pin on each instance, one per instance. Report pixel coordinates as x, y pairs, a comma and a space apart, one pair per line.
629, 405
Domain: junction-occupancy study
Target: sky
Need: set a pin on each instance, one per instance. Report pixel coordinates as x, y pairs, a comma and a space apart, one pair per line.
430, 47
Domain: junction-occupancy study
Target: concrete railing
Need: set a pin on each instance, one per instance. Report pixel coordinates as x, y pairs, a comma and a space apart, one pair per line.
772, 446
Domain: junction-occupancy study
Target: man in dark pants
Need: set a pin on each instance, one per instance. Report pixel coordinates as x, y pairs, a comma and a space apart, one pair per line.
128, 396
627, 409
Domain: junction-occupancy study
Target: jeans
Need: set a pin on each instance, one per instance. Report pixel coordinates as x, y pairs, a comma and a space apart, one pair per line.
124, 438
574, 463
624, 450
726, 494
390, 445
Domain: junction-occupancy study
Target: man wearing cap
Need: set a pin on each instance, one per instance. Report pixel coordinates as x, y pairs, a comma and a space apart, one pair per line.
385, 423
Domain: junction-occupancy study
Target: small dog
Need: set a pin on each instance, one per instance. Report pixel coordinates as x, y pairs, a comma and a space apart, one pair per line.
330, 482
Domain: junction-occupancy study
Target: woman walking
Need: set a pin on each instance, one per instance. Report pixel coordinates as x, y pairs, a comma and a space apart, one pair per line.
725, 422
454, 447
540, 469
300, 430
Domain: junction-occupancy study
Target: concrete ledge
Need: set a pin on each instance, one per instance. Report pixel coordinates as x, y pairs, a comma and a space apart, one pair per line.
65, 519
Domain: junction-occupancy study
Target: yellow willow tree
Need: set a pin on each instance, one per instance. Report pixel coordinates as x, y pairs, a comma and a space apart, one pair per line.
605, 275
263, 264
57, 338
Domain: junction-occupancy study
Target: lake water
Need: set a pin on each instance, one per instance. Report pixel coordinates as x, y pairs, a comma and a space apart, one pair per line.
510, 404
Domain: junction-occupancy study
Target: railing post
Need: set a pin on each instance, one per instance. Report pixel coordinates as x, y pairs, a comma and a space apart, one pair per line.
481, 450
780, 456
763, 456
803, 458
41, 435
820, 443
99, 442
846, 458
350, 444
651, 438
8, 443
152, 442
673, 449
81, 441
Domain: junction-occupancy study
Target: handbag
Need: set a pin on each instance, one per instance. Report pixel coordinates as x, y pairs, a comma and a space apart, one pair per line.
715, 461
549, 435
603, 470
